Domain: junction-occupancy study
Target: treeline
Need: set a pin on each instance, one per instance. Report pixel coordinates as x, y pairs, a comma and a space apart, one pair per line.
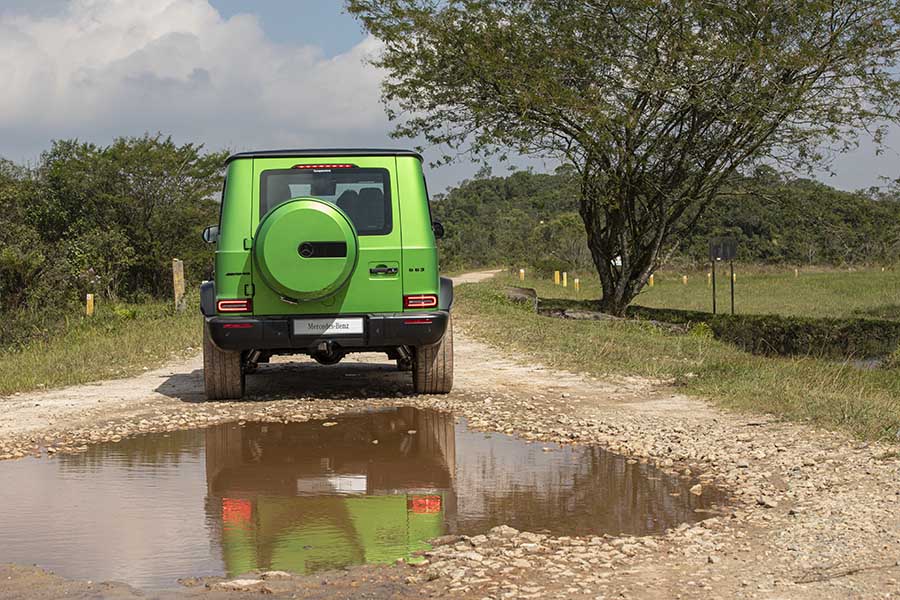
108, 220
532, 219
103, 220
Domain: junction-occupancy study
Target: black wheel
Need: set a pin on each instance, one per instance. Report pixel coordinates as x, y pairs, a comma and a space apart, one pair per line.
433, 365
222, 373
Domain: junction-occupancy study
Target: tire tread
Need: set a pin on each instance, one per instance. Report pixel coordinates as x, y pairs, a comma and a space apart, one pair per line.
433, 366
223, 377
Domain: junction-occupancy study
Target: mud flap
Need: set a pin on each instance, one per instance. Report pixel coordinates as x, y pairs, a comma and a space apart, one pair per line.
208, 298
445, 298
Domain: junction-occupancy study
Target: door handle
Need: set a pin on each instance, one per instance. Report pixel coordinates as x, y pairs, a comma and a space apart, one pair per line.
383, 270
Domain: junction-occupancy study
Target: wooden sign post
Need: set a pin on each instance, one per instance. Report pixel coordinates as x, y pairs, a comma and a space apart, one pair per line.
178, 284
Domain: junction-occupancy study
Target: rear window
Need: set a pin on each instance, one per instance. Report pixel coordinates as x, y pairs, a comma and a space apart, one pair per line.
364, 194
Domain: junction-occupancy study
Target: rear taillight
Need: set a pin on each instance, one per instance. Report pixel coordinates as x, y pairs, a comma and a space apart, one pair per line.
420, 301
234, 306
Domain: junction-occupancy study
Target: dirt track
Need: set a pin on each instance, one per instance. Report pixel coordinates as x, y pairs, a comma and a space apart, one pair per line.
815, 514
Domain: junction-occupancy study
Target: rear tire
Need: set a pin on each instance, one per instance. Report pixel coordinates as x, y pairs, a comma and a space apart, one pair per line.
223, 376
433, 365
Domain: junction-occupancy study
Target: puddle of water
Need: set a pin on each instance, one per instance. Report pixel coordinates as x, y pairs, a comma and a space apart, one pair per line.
306, 497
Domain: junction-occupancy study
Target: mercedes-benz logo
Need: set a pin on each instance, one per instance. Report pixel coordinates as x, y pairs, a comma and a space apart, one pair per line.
306, 250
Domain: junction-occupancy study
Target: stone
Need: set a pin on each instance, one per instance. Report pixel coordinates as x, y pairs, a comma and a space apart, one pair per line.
239, 585
767, 502
275, 575
503, 531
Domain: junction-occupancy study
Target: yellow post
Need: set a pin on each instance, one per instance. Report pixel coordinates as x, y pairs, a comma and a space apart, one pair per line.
709, 280
521, 274
577, 285
734, 277
684, 279
555, 277
651, 281
178, 283
565, 279
89, 305
796, 272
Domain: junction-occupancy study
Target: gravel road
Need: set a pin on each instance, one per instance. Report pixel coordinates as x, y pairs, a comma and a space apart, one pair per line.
814, 514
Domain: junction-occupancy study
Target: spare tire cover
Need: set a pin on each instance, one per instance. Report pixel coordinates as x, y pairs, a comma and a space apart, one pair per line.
306, 249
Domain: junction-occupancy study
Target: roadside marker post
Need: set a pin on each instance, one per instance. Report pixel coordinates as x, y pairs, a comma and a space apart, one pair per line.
89, 305
577, 285
684, 279
178, 284
796, 273
709, 279
555, 277
652, 282
565, 279
521, 274
733, 281
722, 248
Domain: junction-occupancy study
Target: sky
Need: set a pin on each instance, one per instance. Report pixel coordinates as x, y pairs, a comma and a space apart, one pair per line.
251, 74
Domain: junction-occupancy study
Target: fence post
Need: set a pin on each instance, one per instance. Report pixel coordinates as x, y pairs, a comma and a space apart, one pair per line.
89, 305
178, 283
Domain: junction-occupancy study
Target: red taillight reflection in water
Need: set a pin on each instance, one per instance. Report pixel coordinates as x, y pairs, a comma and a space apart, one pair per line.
424, 504
236, 511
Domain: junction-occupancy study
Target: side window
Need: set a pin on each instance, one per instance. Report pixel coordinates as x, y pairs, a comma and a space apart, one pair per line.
363, 194
427, 199
222, 201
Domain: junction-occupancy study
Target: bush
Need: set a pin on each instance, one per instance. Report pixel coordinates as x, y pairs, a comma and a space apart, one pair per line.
789, 336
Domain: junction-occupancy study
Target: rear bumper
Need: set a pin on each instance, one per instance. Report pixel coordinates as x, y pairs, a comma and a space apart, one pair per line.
380, 331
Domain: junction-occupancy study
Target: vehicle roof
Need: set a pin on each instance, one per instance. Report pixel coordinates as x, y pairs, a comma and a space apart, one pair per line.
322, 152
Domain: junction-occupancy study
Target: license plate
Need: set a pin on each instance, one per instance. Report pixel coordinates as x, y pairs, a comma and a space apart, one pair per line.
329, 326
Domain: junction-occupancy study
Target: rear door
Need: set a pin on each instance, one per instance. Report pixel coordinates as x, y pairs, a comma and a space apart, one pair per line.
366, 189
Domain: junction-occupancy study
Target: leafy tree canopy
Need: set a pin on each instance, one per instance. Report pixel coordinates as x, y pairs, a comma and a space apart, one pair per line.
657, 105
106, 220
777, 219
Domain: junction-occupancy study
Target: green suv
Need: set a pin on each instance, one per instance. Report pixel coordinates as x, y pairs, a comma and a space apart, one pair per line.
325, 252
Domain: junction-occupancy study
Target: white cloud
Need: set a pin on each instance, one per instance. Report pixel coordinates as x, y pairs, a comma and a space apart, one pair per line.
102, 68
97, 69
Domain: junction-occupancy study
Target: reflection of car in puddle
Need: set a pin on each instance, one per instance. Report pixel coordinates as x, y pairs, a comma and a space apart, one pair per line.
305, 497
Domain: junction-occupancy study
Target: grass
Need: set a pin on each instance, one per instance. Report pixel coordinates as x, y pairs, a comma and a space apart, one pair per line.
118, 341
818, 293
827, 394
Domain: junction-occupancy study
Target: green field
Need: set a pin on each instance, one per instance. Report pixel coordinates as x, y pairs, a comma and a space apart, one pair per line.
117, 341
831, 394
814, 293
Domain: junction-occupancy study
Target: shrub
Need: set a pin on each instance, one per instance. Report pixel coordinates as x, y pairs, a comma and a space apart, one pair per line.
793, 336
701, 330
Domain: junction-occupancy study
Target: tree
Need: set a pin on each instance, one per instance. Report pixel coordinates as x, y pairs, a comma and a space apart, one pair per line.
657, 105
106, 220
